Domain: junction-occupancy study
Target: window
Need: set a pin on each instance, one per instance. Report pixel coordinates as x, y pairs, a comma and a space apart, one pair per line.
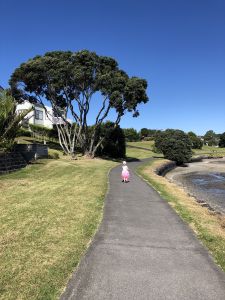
38, 114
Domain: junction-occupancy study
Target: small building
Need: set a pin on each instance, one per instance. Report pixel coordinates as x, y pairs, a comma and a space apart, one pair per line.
41, 116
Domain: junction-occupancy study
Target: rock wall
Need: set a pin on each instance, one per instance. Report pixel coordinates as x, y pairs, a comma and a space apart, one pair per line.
32, 151
10, 162
162, 170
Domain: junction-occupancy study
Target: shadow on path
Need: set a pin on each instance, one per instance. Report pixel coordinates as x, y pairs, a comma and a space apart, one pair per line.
143, 250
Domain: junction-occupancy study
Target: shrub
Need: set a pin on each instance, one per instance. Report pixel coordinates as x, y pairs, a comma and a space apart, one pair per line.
196, 142
53, 155
24, 132
114, 144
175, 145
10, 120
222, 140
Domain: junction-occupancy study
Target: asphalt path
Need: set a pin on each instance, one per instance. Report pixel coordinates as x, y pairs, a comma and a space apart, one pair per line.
143, 250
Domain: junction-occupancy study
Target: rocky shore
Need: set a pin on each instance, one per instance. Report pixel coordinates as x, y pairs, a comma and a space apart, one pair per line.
204, 180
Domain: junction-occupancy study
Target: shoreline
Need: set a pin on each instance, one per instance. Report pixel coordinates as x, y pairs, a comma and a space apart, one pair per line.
211, 195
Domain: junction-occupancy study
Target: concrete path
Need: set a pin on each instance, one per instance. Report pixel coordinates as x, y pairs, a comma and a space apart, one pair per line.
142, 251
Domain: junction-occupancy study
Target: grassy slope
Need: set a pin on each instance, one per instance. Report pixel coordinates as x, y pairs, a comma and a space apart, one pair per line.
208, 226
214, 151
139, 153
49, 212
144, 144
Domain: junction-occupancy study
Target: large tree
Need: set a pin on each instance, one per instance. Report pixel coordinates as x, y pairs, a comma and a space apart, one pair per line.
195, 140
69, 80
210, 138
131, 134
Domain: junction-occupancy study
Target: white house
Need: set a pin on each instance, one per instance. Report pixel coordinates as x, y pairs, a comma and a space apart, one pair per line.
39, 116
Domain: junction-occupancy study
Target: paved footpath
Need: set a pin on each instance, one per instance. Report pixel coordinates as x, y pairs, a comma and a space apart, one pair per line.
142, 251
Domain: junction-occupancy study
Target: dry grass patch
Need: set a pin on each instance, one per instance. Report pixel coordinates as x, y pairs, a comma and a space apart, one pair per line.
49, 213
208, 226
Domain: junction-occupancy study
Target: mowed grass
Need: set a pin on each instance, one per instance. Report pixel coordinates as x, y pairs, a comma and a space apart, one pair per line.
140, 153
142, 144
208, 226
49, 213
210, 150
206, 150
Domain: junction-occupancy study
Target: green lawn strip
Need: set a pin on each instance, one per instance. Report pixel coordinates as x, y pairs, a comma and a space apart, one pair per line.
206, 150
210, 150
142, 144
138, 153
49, 213
213, 242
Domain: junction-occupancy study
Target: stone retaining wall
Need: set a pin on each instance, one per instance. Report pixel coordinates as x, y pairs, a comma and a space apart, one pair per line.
32, 151
162, 170
10, 162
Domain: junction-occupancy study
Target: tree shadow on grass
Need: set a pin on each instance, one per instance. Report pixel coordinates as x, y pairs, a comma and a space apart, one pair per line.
119, 160
37, 162
132, 159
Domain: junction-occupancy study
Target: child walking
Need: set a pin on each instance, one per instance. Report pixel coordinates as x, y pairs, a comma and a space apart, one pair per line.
125, 172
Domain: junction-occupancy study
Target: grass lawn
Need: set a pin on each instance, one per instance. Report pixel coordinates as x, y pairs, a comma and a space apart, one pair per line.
209, 227
49, 213
210, 150
206, 150
141, 153
144, 144
138, 153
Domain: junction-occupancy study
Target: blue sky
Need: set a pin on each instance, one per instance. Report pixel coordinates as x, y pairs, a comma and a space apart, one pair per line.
177, 46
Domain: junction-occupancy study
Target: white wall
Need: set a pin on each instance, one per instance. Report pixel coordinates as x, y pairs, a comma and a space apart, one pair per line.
33, 116
47, 121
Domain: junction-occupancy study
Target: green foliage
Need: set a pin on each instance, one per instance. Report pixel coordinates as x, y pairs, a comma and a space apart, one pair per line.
210, 138
24, 132
131, 135
44, 132
148, 134
144, 132
10, 121
195, 141
53, 154
69, 80
175, 145
114, 144
222, 140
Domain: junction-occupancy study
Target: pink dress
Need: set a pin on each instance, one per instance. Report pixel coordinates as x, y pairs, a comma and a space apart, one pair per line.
125, 172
